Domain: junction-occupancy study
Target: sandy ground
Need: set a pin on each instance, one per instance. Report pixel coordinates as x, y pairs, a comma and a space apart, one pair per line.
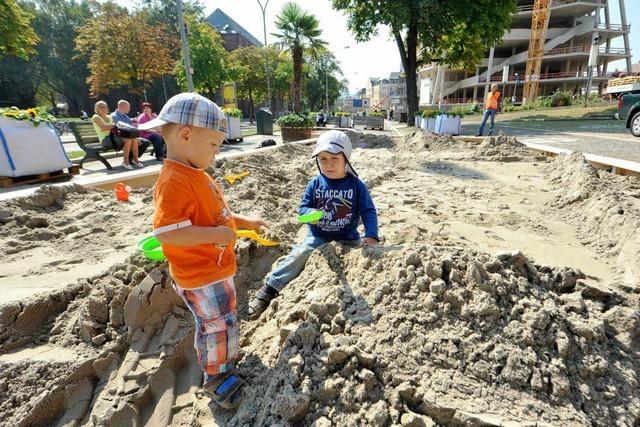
505, 291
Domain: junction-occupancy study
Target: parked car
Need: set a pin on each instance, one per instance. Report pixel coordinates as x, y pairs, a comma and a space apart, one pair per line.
627, 90
629, 111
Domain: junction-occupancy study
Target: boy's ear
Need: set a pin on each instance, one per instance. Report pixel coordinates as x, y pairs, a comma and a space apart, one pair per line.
185, 133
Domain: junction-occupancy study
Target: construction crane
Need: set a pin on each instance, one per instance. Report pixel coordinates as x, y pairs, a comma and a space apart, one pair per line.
539, 25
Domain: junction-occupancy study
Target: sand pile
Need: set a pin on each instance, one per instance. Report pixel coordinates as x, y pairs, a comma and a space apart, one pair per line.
606, 209
501, 148
504, 148
422, 331
411, 337
461, 338
68, 231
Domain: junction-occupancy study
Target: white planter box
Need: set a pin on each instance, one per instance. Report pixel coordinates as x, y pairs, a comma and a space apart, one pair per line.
26, 149
429, 123
234, 128
418, 121
447, 125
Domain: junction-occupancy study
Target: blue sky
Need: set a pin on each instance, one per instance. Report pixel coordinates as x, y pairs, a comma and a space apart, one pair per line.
632, 7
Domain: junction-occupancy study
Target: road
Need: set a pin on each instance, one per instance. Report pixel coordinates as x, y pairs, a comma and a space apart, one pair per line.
602, 137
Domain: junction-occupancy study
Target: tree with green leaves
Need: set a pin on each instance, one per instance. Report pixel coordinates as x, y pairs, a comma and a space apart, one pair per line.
299, 33
451, 32
59, 73
124, 50
320, 81
209, 59
249, 74
17, 38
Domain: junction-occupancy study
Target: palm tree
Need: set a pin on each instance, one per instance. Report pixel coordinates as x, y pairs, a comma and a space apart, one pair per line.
299, 32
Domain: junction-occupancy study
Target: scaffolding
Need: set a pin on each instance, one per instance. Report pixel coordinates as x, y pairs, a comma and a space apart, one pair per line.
539, 24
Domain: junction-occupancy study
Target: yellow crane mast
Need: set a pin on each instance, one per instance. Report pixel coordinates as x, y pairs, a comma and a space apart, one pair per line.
539, 24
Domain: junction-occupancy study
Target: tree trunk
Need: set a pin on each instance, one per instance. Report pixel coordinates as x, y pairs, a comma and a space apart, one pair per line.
297, 77
408, 55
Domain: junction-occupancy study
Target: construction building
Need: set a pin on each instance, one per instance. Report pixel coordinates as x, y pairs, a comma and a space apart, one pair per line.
564, 31
387, 93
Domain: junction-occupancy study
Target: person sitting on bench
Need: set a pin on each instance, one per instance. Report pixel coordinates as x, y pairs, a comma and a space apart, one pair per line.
103, 124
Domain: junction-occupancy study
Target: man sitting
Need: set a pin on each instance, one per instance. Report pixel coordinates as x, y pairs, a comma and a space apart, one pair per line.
121, 115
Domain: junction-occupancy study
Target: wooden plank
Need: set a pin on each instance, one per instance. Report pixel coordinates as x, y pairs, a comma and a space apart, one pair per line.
11, 181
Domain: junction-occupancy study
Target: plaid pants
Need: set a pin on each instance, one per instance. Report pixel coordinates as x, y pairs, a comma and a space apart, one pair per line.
216, 334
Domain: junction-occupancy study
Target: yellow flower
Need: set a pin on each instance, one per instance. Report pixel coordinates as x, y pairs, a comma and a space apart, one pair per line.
32, 112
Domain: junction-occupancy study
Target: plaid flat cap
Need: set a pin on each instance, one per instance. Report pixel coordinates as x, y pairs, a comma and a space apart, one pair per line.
190, 109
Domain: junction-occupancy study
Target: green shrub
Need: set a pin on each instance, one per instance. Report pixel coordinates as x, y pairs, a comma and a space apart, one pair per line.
430, 114
464, 110
343, 114
376, 114
561, 99
232, 112
296, 121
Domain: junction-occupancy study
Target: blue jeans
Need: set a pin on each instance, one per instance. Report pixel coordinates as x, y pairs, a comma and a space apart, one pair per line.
292, 265
487, 114
158, 145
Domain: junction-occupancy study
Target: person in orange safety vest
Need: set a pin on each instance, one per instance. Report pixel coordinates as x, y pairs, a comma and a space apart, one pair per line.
491, 105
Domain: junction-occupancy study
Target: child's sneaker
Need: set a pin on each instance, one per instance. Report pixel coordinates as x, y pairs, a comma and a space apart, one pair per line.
261, 301
224, 389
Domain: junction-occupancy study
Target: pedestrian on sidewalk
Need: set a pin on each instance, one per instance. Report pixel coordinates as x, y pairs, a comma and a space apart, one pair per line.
492, 106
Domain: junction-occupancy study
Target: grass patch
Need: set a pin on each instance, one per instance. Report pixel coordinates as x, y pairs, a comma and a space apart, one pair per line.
573, 112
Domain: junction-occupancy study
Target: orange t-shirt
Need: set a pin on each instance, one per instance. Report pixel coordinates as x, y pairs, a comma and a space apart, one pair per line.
186, 196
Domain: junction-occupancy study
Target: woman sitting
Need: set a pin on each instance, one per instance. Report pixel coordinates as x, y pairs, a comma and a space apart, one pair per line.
155, 138
102, 123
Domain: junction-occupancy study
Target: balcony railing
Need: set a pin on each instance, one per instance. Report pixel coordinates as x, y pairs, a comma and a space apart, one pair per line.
585, 49
529, 8
613, 27
544, 76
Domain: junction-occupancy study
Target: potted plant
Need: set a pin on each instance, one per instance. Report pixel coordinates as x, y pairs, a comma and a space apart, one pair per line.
345, 119
375, 120
429, 120
417, 115
450, 123
295, 127
233, 115
31, 144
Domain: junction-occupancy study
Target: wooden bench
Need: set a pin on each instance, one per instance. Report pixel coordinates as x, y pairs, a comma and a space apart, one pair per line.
370, 122
89, 142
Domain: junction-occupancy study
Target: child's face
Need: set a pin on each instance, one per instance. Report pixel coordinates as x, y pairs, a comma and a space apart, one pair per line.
333, 166
194, 146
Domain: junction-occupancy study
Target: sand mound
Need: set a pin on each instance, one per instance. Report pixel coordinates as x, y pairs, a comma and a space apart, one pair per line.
461, 338
501, 148
606, 209
423, 330
411, 337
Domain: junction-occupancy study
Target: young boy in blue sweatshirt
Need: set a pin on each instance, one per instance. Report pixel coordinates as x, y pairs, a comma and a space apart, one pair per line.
344, 200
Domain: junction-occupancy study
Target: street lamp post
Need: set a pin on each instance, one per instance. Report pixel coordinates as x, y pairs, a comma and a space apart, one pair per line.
185, 47
266, 54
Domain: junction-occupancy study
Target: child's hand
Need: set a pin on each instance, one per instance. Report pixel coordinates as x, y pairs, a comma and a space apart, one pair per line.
369, 241
254, 223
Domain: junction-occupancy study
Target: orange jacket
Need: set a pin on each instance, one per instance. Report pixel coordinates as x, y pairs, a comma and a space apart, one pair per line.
492, 101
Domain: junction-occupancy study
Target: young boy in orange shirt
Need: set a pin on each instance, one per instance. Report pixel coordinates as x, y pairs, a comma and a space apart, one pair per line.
197, 232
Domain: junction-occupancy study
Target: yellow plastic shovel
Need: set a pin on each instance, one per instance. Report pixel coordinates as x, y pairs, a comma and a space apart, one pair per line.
250, 234
233, 178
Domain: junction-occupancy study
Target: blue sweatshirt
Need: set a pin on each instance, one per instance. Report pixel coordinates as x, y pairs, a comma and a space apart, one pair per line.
344, 201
